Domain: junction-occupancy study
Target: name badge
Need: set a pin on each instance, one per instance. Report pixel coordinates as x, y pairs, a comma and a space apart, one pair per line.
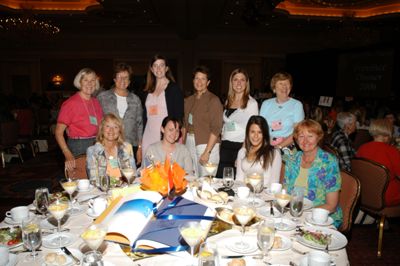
113, 162
153, 110
276, 125
93, 120
190, 119
230, 126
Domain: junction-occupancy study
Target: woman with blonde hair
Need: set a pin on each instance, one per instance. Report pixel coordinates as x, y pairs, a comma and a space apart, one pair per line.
380, 151
80, 116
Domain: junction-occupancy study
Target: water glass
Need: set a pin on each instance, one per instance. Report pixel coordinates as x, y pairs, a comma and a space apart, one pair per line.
92, 258
42, 200
228, 177
208, 255
104, 183
266, 236
297, 203
31, 236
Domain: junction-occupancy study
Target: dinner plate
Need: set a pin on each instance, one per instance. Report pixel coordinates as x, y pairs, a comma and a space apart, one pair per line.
51, 241
12, 233
286, 243
9, 220
256, 201
265, 212
77, 209
338, 240
12, 260
286, 225
310, 220
69, 261
249, 261
227, 215
304, 261
251, 247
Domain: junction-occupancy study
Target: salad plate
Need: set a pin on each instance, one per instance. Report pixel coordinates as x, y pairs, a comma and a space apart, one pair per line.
281, 243
321, 237
11, 236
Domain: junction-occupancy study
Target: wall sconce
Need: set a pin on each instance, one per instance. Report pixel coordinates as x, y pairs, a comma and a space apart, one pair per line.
57, 80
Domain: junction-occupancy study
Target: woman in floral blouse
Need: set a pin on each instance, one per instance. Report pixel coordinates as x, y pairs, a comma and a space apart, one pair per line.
314, 170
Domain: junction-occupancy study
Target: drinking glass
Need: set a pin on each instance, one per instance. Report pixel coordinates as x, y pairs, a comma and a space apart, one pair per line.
104, 183
192, 232
296, 203
58, 208
92, 258
42, 200
31, 236
255, 181
282, 198
244, 213
94, 235
208, 255
266, 236
228, 178
127, 170
210, 169
70, 186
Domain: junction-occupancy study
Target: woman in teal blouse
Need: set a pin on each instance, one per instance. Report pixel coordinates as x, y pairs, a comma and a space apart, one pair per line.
315, 170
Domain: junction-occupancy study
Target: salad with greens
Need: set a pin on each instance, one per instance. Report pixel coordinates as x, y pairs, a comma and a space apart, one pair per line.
316, 237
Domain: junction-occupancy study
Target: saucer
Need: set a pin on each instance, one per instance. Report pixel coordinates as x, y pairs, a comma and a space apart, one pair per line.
9, 220
90, 188
90, 213
286, 225
257, 201
310, 220
51, 241
251, 241
266, 212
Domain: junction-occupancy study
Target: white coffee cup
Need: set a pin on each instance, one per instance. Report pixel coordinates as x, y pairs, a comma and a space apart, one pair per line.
98, 205
318, 258
18, 214
276, 188
320, 215
83, 184
4, 255
243, 192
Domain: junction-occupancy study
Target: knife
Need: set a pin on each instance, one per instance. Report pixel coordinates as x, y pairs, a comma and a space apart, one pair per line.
66, 251
82, 201
271, 208
254, 256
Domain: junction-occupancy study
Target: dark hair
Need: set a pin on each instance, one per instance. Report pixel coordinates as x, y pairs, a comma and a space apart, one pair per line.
120, 67
202, 69
151, 79
266, 152
174, 120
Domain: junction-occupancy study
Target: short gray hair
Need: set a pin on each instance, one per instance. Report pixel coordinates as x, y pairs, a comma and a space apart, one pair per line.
345, 118
83, 72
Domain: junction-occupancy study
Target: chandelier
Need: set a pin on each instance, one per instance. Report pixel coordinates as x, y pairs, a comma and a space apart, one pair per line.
27, 24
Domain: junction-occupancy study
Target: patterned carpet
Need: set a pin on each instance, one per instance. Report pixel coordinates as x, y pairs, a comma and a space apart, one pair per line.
19, 181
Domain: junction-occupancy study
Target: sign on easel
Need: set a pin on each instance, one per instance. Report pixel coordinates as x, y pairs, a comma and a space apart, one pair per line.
325, 101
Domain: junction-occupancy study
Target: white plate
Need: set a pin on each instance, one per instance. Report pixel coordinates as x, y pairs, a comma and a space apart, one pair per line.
286, 243
265, 212
85, 197
69, 261
12, 222
12, 260
249, 261
251, 241
338, 240
90, 213
46, 224
288, 224
308, 204
51, 241
304, 261
258, 202
310, 220
77, 209
90, 188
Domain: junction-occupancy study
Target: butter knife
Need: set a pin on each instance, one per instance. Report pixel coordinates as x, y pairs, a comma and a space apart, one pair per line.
85, 200
66, 251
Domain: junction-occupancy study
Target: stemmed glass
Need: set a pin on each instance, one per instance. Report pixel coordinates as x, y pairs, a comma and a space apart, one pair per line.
42, 200
282, 198
210, 169
70, 186
58, 208
266, 236
256, 183
32, 237
244, 213
296, 203
104, 183
192, 232
228, 178
94, 236
127, 170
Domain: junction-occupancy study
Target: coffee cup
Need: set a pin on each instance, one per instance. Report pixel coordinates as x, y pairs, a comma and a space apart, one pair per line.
83, 184
18, 214
320, 215
276, 188
4, 255
98, 205
318, 258
243, 192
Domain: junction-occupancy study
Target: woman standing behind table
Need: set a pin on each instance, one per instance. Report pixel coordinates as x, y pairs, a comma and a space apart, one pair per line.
238, 108
258, 155
110, 149
380, 151
126, 105
168, 146
203, 122
314, 170
282, 112
80, 115
164, 97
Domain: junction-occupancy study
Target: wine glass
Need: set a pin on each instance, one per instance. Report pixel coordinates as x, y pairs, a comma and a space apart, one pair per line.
42, 200
94, 236
256, 183
210, 169
244, 213
58, 208
296, 203
104, 183
70, 186
31, 236
266, 236
127, 170
192, 232
282, 198
228, 178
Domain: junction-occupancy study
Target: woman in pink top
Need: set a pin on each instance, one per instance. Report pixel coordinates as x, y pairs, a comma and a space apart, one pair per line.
80, 116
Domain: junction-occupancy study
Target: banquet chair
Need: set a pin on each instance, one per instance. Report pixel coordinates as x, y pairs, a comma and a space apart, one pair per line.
9, 139
374, 180
329, 148
348, 198
362, 136
79, 172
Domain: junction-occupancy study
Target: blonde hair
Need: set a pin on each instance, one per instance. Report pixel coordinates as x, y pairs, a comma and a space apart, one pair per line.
231, 92
115, 119
309, 125
381, 127
84, 72
279, 77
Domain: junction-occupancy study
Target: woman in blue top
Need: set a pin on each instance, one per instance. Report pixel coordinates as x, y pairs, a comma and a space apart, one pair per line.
314, 170
282, 112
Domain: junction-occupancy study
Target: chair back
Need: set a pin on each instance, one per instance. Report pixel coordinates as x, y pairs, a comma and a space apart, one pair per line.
332, 150
80, 168
9, 133
362, 136
348, 197
374, 179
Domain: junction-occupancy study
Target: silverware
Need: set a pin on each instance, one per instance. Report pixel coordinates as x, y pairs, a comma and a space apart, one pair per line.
291, 263
23, 251
271, 208
298, 251
85, 200
254, 256
66, 251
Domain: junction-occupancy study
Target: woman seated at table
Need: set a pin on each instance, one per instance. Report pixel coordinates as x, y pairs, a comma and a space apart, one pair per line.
110, 150
315, 170
258, 155
168, 146
381, 152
